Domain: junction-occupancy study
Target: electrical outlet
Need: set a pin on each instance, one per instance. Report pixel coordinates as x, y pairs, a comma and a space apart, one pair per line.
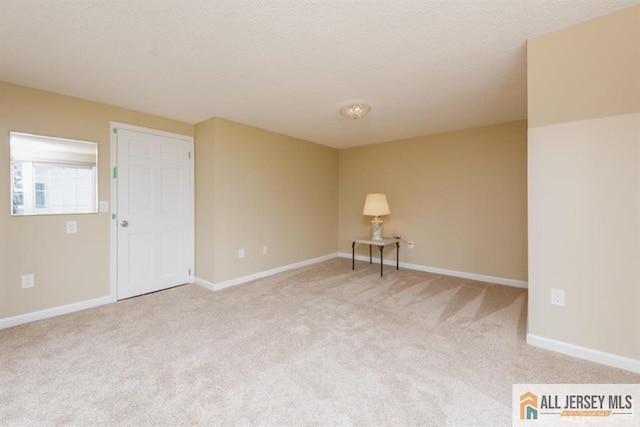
240, 253
557, 297
265, 250
72, 227
28, 281
411, 244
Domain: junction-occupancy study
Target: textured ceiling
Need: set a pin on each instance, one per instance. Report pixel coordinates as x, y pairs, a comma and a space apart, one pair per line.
288, 65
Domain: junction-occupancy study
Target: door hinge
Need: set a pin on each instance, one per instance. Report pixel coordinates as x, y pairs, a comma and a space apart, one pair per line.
189, 154
189, 272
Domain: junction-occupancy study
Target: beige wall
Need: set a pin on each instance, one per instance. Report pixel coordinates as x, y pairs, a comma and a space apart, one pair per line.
587, 71
460, 196
255, 188
584, 183
68, 268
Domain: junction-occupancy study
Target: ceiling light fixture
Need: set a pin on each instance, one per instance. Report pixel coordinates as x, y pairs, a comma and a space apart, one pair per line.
355, 111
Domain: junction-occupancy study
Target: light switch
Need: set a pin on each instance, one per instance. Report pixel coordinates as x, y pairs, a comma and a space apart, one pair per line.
72, 227
104, 206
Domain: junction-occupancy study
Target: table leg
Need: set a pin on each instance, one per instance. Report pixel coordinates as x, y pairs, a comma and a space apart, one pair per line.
353, 255
397, 255
381, 259
370, 256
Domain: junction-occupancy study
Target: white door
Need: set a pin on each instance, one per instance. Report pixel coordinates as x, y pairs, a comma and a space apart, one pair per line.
153, 212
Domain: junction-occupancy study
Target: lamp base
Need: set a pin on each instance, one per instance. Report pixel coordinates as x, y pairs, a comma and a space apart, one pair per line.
376, 229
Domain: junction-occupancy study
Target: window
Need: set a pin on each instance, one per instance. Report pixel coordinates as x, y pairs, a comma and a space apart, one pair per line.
52, 175
17, 203
40, 195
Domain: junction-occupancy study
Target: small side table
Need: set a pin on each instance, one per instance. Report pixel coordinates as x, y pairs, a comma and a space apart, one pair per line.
380, 244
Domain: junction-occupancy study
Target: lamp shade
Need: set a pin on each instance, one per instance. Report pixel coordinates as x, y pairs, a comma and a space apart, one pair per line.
376, 205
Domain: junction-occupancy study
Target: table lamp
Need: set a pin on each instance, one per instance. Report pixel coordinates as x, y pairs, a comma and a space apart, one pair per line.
376, 205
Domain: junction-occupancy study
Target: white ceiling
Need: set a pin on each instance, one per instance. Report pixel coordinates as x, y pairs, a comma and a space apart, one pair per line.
288, 65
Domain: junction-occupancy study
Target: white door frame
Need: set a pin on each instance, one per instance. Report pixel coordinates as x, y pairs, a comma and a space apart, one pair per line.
113, 224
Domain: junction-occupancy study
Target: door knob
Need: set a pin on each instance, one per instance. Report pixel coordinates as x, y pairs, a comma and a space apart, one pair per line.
124, 223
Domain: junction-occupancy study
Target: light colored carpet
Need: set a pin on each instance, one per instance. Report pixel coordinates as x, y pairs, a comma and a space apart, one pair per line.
314, 346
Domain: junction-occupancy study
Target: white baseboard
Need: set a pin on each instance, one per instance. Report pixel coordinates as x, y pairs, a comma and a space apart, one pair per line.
444, 272
262, 274
54, 311
592, 355
83, 305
